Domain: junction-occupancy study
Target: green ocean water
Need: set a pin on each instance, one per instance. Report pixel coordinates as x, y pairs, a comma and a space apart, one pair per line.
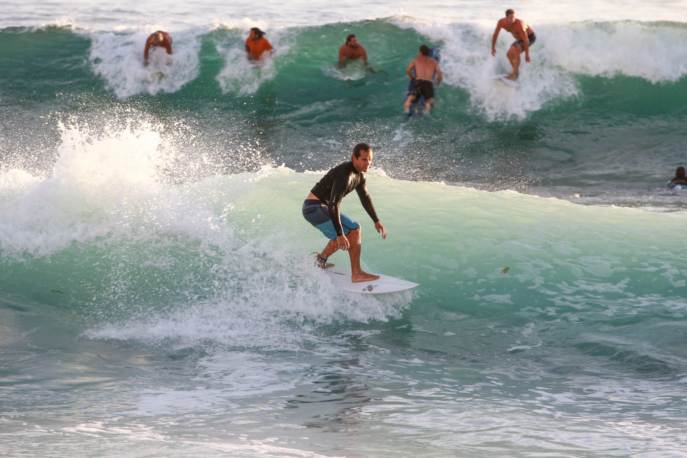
598, 130
157, 295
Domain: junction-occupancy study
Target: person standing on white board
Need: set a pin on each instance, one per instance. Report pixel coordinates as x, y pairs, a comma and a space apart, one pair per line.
524, 36
321, 209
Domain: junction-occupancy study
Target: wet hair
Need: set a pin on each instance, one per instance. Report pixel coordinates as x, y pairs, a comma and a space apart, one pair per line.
348, 38
424, 50
258, 32
357, 149
509, 12
680, 172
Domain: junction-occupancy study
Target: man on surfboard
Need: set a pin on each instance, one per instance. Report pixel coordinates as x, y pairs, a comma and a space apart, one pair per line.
524, 36
422, 70
351, 50
321, 209
159, 38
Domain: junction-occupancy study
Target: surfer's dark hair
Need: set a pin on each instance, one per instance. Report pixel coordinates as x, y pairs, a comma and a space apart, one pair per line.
680, 172
424, 50
258, 32
357, 149
348, 38
509, 12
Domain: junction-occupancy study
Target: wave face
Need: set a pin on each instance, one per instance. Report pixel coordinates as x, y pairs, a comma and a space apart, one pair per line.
542, 304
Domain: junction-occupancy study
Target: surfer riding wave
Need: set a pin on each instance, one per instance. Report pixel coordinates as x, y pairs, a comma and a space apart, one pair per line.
321, 209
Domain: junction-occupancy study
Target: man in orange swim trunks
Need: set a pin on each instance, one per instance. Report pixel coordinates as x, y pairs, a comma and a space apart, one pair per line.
257, 44
156, 39
351, 50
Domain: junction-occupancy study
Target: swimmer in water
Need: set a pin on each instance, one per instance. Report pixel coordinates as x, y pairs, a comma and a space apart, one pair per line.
157, 39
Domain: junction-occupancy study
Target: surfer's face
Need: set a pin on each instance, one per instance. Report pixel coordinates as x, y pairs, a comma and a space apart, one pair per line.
510, 18
363, 162
353, 42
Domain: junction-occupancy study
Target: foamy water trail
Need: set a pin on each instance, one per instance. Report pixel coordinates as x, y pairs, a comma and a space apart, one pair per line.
189, 248
118, 59
560, 54
651, 51
239, 76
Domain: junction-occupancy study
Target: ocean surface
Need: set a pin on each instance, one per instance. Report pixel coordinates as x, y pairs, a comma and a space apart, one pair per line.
157, 292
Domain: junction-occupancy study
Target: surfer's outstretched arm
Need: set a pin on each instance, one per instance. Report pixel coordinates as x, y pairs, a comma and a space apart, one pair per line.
495, 37
342, 57
409, 70
146, 49
366, 201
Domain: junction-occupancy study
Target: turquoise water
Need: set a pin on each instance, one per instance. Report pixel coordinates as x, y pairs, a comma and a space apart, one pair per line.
604, 129
156, 290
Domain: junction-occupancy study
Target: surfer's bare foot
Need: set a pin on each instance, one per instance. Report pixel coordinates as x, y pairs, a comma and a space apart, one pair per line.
512, 77
321, 262
363, 276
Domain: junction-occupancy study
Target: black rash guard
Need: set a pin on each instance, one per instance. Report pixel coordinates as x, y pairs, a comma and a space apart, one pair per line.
338, 182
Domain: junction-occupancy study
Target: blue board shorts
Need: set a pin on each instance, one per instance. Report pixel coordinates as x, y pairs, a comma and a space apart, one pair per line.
316, 213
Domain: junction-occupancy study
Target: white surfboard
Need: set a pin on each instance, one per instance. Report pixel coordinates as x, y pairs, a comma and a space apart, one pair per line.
505, 81
384, 285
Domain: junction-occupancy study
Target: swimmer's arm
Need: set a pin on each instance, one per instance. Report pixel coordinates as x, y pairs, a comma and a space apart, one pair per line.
168, 46
335, 197
495, 37
342, 57
440, 75
335, 216
366, 201
409, 70
146, 50
525, 43
365, 57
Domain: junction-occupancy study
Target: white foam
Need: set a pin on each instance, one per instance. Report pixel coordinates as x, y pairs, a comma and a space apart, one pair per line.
648, 51
354, 71
118, 59
92, 176
267, 304
109, 188
468, 64
560, 53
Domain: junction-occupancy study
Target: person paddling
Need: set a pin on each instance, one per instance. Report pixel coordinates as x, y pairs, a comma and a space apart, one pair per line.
351, 50
257, 45
422, 71
157, 39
